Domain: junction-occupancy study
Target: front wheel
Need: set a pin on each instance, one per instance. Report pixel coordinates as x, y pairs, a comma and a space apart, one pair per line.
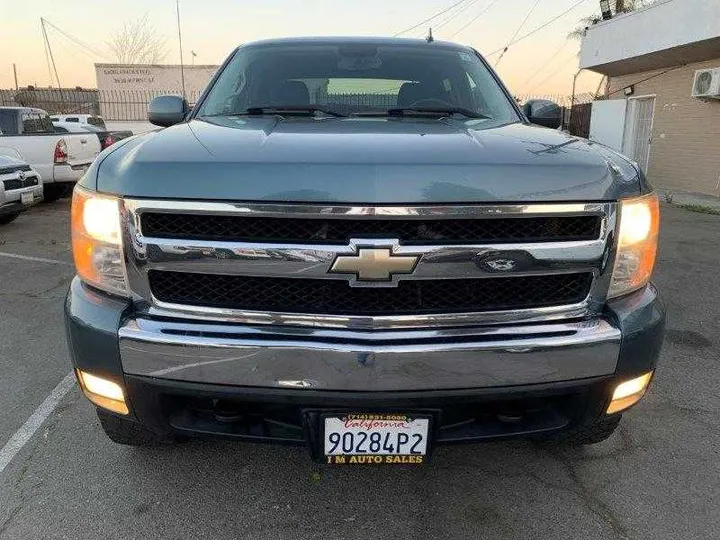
4, 220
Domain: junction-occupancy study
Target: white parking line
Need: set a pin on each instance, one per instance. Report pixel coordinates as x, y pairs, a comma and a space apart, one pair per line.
28, 258
32, 424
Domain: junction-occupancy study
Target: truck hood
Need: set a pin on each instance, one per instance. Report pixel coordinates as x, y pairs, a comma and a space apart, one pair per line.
362, 160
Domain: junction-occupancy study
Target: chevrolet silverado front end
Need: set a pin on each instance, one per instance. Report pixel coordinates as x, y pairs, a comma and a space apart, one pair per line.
370, 277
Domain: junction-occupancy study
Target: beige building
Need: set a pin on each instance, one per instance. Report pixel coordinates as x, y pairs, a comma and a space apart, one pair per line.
658, 111
125, 90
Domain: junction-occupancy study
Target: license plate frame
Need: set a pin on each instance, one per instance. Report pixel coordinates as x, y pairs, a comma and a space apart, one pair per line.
27, 198
316, 422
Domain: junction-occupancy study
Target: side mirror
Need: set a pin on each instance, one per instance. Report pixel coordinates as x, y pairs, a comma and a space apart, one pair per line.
167, 110
543, 113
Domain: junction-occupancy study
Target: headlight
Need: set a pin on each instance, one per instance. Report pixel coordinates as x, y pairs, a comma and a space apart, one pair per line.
97, 241
637, 244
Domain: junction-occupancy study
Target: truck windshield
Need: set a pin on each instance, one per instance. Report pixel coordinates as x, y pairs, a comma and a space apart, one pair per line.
357, 79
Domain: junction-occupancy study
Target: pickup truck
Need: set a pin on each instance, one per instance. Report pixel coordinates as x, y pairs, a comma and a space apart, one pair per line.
106, 138
365, 247
61, 159
20, 188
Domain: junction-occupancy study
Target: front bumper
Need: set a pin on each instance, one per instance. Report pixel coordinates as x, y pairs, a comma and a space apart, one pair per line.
11, 201
183, 376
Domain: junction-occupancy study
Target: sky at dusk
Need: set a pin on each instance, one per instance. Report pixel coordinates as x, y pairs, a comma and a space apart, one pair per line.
541, 64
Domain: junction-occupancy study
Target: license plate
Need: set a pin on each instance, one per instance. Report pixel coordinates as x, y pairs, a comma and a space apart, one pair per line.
376, 439
26, 198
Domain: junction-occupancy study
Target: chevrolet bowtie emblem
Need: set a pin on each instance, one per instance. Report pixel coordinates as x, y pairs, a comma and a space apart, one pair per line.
374, 264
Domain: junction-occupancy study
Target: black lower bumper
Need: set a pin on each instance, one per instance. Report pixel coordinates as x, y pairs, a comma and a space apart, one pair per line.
283, 416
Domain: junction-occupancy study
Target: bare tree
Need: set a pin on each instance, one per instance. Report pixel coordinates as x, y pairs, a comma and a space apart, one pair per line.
137, 42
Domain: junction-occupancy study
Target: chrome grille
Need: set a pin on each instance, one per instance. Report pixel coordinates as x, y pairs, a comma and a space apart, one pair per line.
197, 260
16, 183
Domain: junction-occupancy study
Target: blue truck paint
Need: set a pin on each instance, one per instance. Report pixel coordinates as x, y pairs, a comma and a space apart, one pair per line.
369, 160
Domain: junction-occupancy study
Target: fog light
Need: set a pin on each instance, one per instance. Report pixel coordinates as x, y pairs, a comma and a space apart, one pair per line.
629, 393
102, 392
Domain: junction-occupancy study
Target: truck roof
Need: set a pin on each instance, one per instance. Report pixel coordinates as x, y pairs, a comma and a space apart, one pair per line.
359, 40
20, 108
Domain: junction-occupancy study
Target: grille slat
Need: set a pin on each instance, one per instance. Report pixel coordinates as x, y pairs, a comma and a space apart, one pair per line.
340, 231
16, 183
336, 297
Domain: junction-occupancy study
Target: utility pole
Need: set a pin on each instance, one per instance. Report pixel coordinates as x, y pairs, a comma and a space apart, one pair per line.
52, 58
182, 69
15, 74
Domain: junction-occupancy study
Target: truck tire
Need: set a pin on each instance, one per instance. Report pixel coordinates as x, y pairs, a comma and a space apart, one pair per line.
589, 434
127, 432
4, 220
53, 192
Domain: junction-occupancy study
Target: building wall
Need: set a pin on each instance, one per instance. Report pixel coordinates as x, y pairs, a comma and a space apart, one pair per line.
152, 78
124, 90
663, 25
685, 150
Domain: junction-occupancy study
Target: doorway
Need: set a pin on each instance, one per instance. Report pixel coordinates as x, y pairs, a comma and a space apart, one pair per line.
638, 130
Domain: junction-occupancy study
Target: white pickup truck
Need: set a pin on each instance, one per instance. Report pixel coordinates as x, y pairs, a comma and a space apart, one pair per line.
60, 158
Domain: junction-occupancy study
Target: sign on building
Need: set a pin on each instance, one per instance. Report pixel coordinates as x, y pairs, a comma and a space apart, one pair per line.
126, 89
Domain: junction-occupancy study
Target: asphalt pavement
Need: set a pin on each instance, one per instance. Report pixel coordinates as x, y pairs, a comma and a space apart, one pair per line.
658, 477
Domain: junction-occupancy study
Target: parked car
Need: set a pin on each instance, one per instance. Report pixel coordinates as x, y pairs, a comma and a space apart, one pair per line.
61, 159
369, 281
20, 188
106, 138
84, 119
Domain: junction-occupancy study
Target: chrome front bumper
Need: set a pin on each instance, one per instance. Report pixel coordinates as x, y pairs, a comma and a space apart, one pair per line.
327, 359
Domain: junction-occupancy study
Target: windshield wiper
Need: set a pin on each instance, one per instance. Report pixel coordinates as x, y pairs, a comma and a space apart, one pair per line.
434, 111
310, 110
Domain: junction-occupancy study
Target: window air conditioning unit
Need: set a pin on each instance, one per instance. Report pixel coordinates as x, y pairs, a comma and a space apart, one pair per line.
707, 84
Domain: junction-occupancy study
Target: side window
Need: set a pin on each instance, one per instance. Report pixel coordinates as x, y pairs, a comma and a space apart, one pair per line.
45, 124
8, 122
59, 129
31, 123
54, 119
72, 119
96, 121
34, 123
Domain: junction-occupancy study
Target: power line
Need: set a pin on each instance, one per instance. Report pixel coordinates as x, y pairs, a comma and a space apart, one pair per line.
558, 70
78, 41
453, 15
475, 18
547, 23
430, 18
647, 78
517, 32
52, 58
547, 62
